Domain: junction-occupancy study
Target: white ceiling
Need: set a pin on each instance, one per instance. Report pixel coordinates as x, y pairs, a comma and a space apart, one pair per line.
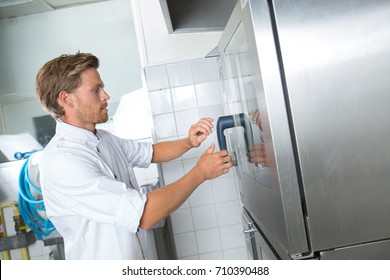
16, 8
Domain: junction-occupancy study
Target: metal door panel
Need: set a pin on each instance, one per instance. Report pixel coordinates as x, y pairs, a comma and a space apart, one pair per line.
270, 193
336, 60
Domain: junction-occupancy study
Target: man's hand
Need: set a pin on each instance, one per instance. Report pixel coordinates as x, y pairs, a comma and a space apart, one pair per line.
200, 131
213, 164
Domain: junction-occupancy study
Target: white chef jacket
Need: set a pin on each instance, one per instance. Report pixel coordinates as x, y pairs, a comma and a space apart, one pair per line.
91, 194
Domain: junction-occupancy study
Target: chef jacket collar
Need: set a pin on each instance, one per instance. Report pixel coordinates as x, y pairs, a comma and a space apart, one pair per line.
77, 132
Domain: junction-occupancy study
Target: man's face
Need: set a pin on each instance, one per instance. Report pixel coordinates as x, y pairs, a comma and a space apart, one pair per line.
90, 100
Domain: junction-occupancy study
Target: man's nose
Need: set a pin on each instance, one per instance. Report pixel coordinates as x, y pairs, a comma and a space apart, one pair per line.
105, 96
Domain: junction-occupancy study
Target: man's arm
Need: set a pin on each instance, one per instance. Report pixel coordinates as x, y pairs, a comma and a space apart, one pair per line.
163, 201
169, 150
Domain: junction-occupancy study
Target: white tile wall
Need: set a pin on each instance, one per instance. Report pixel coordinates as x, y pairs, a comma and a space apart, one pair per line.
180, 74
231, 236
204, 217
162, 129
218, 255
224, 189
157, 77
161, 101
228, 213
186, 244
203, 195
208, 225
209, 240
204, 70
171, 170
184, 120
184, 98
208, 94
180, 223
235, 254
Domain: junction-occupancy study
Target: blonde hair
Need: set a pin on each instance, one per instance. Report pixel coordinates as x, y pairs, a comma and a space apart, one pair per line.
61, 74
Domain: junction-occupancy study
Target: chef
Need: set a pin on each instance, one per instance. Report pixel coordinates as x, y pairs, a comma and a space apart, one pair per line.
89, 188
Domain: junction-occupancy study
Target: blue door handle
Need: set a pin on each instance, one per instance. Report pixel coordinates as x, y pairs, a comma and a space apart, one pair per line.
222, 124
225, 122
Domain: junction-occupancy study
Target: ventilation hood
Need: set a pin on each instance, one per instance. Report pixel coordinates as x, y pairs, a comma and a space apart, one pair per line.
196, 15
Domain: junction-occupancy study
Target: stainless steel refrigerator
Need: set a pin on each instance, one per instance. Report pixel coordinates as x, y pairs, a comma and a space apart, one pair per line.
309, 82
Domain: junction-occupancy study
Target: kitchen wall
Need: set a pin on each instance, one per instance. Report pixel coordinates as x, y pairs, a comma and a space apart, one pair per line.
2, 129
208, 225
105, 29
157, 46
18, 115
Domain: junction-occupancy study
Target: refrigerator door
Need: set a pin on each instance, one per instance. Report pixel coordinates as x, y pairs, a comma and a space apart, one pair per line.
336, 62
254, 99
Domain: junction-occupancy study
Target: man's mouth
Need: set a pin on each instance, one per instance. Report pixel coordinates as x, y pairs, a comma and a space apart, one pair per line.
105, 107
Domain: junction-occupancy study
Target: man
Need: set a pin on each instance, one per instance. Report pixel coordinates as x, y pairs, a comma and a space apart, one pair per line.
87, 178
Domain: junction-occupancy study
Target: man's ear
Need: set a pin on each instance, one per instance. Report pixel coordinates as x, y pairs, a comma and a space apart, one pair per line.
65, 99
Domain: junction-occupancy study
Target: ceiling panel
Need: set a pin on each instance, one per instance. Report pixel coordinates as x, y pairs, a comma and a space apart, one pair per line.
17, 8
66, 3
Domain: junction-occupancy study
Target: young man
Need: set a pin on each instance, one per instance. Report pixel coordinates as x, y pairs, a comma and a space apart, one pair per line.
89, 188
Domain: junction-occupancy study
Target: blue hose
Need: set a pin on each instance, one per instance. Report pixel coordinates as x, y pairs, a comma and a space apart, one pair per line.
30, 206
